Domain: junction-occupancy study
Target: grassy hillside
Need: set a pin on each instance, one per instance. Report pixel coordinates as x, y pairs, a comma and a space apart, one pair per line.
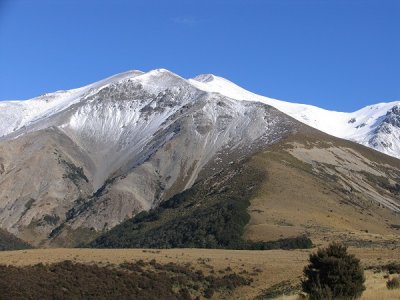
212, 214
10, 242
330, 189
309, 184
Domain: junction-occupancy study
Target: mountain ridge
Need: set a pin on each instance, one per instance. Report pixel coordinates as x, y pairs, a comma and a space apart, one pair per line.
376, 126
362, 126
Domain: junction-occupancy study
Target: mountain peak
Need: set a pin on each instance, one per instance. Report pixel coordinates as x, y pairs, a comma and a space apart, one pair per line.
158, 74
161, 72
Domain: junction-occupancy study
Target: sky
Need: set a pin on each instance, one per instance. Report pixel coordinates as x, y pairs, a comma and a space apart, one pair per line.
336, 54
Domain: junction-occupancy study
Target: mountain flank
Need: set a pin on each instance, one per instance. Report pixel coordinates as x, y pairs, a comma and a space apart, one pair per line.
329, 189
309, 185
10, 242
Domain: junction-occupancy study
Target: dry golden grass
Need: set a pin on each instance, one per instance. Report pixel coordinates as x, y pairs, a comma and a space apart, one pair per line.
265, 267
294, 201
376, 289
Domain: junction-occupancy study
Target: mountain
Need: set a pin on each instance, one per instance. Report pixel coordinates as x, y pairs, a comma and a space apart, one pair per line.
75, 164
307, 185
89, 158
376, 126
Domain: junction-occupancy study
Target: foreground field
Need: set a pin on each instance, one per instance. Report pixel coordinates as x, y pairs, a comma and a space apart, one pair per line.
266, 268
376, 289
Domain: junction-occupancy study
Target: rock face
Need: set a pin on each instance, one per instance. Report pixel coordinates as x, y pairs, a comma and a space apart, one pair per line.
122, 147
387, 133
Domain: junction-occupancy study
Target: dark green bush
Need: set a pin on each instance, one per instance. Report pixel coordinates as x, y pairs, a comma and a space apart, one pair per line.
51, 219
74, 173
392, 268
9, 241
333, 274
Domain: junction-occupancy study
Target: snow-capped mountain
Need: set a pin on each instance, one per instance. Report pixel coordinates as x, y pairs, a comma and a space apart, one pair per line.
78, 162
375, 126
93, 156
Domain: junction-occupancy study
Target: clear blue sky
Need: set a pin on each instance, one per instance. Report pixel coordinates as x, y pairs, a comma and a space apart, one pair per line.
337, 54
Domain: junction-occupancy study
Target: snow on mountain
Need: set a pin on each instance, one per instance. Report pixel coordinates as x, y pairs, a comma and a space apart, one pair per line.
15, 115
375, 126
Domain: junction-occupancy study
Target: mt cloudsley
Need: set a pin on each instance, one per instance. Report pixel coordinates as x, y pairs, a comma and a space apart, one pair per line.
76, 163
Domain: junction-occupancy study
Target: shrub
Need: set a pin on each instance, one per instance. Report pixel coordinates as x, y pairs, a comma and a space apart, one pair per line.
393, 283
68, 280
333, 274
208, 293
392, 268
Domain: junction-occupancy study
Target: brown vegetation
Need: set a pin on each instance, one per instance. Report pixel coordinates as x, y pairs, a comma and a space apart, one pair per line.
393, 283
266, 268
135, 280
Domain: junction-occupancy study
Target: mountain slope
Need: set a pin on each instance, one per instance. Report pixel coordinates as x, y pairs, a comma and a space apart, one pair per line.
375, 126
309, 184
328, 188
10, 242
211, 214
